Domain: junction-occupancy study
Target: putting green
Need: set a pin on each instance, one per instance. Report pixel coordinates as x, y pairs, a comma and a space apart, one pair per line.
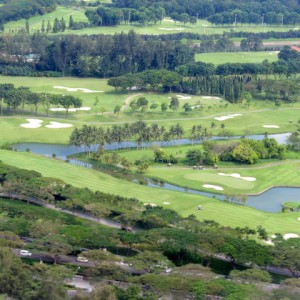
277, 173
216, 179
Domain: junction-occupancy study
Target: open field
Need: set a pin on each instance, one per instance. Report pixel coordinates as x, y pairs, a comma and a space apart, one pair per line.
185, 204
165, 27
237, 57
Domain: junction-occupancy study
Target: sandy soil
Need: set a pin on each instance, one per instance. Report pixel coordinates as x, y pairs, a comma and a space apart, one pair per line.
33, 123
211, 97
237, 175
84, 90
223, 118
57, 125
215, 187
290, 236
270, 126
179, 28
70, 109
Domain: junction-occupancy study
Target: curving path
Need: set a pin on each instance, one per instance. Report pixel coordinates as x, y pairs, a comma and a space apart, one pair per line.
128, 100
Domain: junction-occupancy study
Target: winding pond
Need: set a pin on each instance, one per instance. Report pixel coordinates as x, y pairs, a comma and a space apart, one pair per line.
269, 201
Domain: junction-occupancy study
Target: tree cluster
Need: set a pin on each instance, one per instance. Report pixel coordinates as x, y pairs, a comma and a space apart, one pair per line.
153, 79
21, 97
13, 10
111, 16
247, 151
225, 12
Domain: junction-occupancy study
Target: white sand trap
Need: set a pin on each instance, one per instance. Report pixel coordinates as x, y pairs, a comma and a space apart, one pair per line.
33, 123
269, 242
290, 236
298, 219
73, 109
84, 90
237, 175
271, 126
178, 28
84, 108
167, 203
59, 125
211, 97
273, 236
223, 118
215, 187
169, 20
183, 97
150, 204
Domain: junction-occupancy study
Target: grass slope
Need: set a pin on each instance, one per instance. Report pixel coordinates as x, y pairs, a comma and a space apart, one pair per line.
185, 204
237, 57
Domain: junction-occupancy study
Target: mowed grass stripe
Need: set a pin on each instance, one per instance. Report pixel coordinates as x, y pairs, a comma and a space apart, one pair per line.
185, 204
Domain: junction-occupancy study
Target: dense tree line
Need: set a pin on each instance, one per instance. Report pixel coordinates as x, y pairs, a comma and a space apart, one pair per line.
98, 56
110, 16
251, 17
139, 131
13, 10
246, 151
231, 34
223, 12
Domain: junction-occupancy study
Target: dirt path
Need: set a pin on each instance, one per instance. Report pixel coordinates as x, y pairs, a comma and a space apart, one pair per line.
128, 100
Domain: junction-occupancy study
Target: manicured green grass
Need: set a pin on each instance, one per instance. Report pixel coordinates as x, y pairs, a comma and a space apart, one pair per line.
109, 98
185, 204
260, 113
268, 175
251, 121
291, 204
237, 57
35, 22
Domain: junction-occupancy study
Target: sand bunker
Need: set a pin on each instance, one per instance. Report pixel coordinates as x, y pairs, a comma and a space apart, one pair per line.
169, 20
183, 97
271, 126
269, 242
211, 97
223, 118
150, 204
237, 175
167, 203
59, 125
70, 109
298, 219
290, 236
215, 187
33, 123
84, 90
179, 28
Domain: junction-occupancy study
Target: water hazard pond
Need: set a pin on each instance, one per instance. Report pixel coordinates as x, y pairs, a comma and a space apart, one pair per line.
269, 201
